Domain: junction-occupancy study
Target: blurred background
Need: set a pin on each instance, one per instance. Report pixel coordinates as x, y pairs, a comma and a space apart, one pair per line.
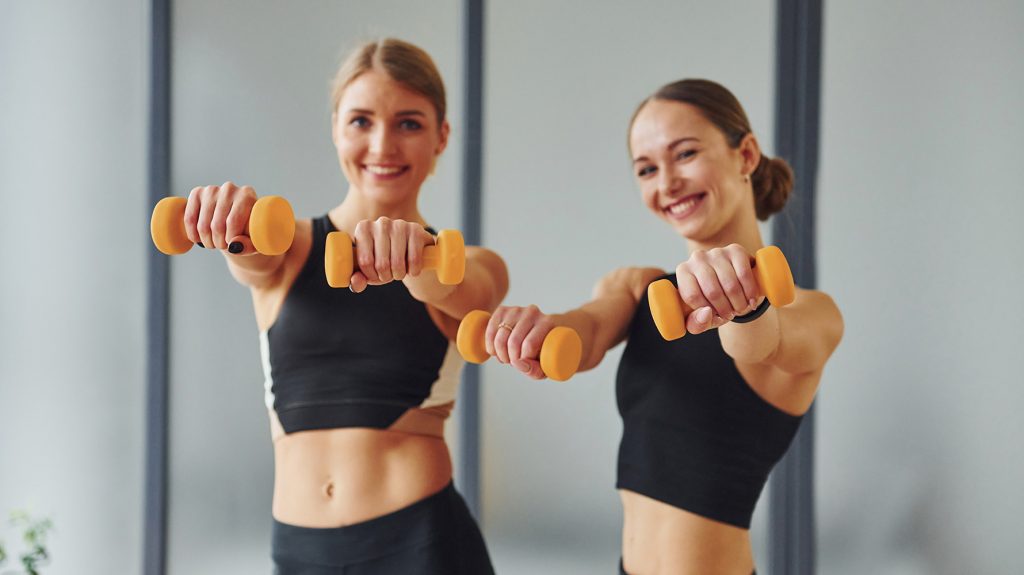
919, 458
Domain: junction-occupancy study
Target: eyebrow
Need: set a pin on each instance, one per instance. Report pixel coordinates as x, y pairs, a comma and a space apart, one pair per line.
402, 113
668, 147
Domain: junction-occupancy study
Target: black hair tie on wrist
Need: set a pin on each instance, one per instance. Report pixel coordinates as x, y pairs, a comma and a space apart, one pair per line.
754, 314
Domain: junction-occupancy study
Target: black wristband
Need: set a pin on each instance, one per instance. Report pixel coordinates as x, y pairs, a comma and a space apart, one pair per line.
754, 314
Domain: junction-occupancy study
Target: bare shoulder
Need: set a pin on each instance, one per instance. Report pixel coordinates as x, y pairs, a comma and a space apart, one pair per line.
628, 280
268, 297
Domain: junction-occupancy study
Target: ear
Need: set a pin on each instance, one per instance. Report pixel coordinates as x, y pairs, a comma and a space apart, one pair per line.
334, 128
750, 154
443, 142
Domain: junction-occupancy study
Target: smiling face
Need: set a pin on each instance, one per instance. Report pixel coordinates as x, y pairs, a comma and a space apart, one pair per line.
689, 175
388, 138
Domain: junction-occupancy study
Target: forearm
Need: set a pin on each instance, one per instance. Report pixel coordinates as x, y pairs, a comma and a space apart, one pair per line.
601, 324
483, 286
752, 342
796, 339
586, 326
255, 270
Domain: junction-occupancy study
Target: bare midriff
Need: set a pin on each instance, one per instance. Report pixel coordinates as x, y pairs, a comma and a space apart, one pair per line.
339, 477
659, 539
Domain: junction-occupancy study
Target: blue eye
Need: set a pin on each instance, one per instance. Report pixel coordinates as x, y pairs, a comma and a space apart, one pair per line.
410, 125
359, 122
686, 154
645, 171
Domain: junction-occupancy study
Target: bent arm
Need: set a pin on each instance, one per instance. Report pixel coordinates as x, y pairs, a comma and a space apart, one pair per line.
483, 287
797, 339
603, 322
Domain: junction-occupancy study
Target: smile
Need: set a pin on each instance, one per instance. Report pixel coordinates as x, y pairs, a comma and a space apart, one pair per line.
684, 206
385, 171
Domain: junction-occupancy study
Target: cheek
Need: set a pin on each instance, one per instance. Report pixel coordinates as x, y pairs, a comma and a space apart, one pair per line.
649, 195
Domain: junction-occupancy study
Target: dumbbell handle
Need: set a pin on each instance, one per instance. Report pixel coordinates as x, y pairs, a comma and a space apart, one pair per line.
560, 354
773, 276
448, 257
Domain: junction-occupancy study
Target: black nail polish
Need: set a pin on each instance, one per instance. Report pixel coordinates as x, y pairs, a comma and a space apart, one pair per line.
235, 247
200, 244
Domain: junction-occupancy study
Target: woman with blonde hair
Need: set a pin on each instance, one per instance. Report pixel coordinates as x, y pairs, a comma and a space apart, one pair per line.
359, 381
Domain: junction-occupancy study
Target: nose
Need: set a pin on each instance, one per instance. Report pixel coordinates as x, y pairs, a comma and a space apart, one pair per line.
668, 182
382, 141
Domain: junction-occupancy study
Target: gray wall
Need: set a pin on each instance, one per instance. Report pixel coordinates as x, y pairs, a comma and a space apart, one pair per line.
252, 104
72, 277
918, 242
562, 207
919, 451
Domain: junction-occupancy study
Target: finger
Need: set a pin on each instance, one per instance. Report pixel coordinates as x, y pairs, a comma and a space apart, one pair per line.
237, 222
534, 341
357, 283
206, 209
399, 247
689, 291
731, 286
219, 221
414, 255
492, 330
241, 246
363, 236
748, 279
516, 337
713, 291
192, 206
382, 249
701, 320
531, 367
501, 334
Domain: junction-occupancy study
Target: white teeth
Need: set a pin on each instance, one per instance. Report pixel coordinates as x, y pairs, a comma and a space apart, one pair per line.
383, 170
682, 206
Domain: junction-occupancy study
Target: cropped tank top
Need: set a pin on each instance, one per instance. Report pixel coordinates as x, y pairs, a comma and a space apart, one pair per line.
695, 435
334, 358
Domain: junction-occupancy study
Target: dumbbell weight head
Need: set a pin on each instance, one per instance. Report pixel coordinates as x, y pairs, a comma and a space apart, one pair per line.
774, 276
667, 309
470, 338
561, 353
272, 225
451, 257
338, 259
167, 226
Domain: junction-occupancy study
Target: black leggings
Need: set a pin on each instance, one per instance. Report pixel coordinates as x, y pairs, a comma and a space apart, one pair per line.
434, 536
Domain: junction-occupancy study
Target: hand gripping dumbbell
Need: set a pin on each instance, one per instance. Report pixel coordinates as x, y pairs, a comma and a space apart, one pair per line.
773, 276
560, 354
447, 256
271, 226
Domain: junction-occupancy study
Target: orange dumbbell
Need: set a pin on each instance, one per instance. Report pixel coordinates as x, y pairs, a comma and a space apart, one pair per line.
447, 256
773, 275
271, 226
560, 354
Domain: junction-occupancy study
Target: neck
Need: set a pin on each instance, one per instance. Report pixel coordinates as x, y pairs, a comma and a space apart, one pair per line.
356, 207
742, 230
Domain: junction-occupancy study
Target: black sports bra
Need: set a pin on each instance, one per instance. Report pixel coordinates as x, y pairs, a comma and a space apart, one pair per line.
334, 358
695, 435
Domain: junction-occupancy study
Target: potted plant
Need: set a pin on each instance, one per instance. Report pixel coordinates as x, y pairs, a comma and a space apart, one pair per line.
34, 534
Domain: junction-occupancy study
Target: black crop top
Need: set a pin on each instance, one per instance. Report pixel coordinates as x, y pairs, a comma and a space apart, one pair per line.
334, 358
695, 435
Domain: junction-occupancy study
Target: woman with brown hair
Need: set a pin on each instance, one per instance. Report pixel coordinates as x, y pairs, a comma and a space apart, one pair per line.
705, 417
359, 382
